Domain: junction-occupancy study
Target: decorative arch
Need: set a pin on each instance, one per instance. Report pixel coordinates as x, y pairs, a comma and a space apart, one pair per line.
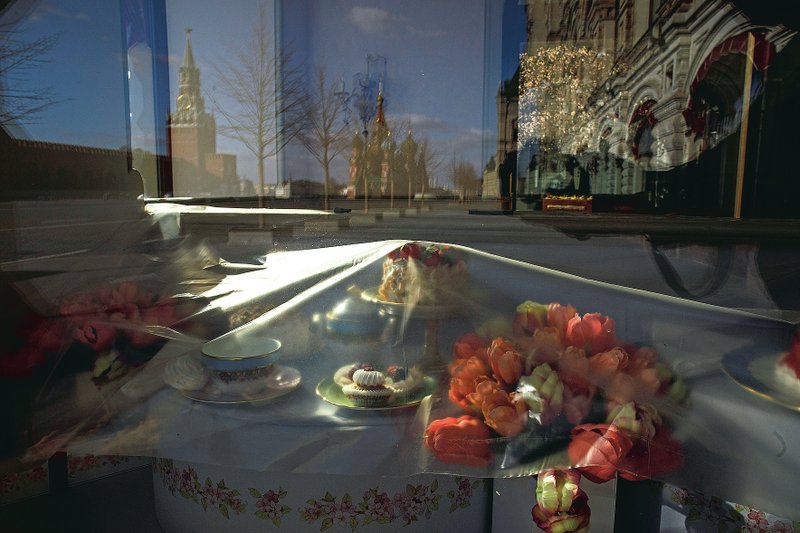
763, 54
640, 129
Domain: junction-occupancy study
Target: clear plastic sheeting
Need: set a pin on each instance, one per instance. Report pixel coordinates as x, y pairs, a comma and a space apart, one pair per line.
495, 368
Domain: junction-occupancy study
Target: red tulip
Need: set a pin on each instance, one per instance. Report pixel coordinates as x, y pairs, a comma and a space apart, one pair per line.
45, 334
22, 362
162, 314
576, 520
577, 404
597, 449
463, 440
556, 490
97, 336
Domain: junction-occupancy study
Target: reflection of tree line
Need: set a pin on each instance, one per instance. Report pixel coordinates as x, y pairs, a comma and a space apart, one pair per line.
19, 105
273, 103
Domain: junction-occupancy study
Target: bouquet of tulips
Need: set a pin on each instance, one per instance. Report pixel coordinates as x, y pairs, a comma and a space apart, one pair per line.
112, 321
566, 375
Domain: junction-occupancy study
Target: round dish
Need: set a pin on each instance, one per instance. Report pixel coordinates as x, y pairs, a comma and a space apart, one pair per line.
188, 375
757, 373
331, 392
400, 309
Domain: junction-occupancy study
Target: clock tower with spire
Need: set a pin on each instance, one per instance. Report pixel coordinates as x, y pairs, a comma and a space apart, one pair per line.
197, 168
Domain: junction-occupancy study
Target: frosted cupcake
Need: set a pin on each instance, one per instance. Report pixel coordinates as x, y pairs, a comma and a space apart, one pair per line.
368, 389
403, 380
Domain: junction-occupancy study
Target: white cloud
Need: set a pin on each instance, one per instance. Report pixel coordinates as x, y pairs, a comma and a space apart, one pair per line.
370, 19
51, 9
418, 121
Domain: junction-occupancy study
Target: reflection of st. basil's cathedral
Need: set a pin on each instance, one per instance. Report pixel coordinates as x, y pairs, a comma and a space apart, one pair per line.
667, 127
197, 168
386, 169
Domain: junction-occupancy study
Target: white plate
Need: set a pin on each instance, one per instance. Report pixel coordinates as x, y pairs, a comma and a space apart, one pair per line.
758, 373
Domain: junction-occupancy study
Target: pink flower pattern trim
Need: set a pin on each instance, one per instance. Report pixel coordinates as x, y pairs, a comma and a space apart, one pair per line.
14, 482
415, 503
208, 494
728, 517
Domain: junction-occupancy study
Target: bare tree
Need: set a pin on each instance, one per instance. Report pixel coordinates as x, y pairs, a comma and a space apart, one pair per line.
325, 134
429, 163
465, 177
259, 95
19, 103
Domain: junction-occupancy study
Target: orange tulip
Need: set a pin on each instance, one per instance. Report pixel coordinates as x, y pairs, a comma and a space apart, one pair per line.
593, 332
559, 315
504, 413
506, 361
546, 346
463, 440
597, 449
604, 364
468, 345
573, 368
465, 374
528, 318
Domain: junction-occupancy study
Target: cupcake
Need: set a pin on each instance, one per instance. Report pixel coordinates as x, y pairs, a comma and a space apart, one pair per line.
403, 379
368, 389
344, 376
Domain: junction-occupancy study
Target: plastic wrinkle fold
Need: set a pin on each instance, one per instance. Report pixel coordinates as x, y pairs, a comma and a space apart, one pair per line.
494, 368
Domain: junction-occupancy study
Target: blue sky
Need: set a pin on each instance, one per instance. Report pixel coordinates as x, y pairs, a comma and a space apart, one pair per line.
443, 64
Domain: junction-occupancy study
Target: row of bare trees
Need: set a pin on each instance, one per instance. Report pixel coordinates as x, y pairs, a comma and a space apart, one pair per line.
263, 98
266, 100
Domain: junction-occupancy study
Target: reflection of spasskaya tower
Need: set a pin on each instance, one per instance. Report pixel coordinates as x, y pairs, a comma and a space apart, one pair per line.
197, 169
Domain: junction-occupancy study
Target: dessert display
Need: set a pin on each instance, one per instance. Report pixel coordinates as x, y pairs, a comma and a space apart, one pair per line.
368, 388
399, 379
364, 385
424, 275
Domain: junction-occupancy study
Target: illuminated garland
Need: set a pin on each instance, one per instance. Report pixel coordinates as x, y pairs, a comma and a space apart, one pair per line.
556, 84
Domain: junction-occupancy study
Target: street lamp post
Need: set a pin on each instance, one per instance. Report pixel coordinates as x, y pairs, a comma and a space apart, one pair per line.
362, 97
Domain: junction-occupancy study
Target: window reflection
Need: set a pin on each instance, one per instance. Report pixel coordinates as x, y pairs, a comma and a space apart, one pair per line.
665, 109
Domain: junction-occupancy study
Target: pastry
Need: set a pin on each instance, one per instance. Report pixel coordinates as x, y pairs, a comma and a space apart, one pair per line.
403, 380
425, 275
368, 388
